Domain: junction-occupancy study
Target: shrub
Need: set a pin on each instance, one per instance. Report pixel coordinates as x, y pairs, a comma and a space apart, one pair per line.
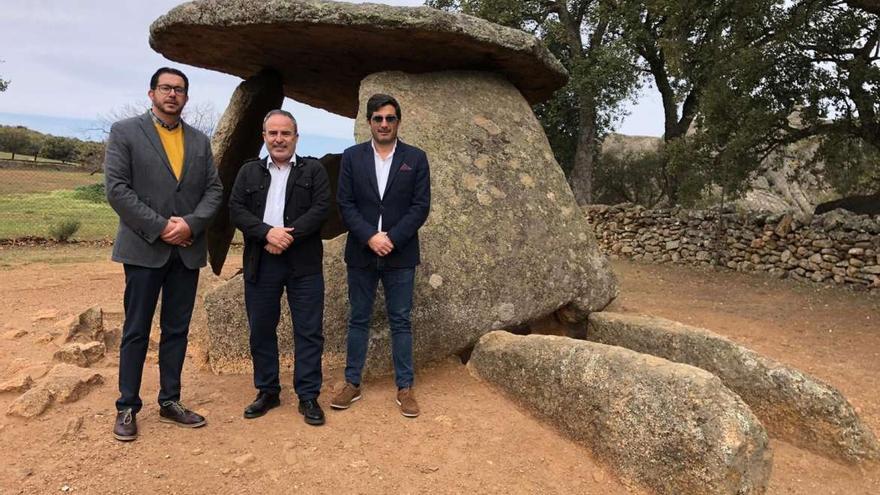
64, 229
91, 192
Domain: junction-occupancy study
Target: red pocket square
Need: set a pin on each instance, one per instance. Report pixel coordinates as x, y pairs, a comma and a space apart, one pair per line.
405, 168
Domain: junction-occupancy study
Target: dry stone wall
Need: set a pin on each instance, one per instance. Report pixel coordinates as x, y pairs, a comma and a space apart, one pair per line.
837, 247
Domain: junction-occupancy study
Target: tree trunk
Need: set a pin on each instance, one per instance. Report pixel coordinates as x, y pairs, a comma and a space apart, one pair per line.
581, 178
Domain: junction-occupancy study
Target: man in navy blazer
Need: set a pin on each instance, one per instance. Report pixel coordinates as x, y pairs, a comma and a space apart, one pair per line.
384, 196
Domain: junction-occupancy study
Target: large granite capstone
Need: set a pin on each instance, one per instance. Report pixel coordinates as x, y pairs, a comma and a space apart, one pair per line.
505, 242
324, 49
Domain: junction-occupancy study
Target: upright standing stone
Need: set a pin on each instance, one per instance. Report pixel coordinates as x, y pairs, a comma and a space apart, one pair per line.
237, 138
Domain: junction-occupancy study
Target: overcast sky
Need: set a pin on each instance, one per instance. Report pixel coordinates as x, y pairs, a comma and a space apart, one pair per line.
85, 58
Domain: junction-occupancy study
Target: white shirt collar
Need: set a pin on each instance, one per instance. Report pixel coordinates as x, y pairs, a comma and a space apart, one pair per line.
375, 152
270, 162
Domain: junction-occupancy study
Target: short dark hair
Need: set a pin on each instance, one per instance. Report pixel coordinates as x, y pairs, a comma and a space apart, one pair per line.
154, 81
378, 101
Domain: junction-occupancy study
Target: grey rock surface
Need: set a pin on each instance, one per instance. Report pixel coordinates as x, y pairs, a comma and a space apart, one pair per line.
87, 326
323, 49
505, 242
82, 355
791, 404
672, 428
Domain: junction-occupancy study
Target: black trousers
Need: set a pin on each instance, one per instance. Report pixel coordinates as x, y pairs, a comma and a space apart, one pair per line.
305, 295
178, 285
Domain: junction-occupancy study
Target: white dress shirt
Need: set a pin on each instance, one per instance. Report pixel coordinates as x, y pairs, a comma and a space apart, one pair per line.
274, 214
383, 167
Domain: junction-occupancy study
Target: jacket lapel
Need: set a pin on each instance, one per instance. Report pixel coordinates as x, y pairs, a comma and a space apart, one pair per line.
189, 137
153, 137
399, 154
370, 167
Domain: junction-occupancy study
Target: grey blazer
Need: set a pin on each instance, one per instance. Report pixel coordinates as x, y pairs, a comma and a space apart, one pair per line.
144, 192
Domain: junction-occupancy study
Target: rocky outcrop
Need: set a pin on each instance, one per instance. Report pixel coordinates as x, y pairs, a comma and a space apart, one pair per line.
64, 383
670, 427
791, 404
85, 327
82, 355
324, 49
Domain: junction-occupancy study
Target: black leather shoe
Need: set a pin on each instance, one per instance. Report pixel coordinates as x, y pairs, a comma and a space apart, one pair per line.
125, 429
261, 405
174, 412
312, 412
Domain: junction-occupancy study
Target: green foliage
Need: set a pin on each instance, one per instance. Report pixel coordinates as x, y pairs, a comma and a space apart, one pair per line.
90, 154
59, 148
92, 192
629, 177
601, 67
16, 140
63, 230
23, 215
21, 140
4, 84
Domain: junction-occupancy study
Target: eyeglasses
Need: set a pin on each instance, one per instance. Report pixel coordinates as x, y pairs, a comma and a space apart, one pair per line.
379, 118
166, 90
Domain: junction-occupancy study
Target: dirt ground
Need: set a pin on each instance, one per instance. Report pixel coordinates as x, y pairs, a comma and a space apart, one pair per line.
469, 439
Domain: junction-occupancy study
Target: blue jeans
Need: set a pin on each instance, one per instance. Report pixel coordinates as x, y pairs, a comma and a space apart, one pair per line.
397, 284
305, 296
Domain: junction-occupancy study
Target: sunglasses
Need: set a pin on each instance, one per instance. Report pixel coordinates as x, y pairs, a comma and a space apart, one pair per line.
379, 118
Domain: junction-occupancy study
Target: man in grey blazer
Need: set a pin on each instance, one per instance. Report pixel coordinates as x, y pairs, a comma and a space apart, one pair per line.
161, 181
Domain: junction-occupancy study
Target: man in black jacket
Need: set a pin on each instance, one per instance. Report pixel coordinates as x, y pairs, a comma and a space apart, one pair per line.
280, 203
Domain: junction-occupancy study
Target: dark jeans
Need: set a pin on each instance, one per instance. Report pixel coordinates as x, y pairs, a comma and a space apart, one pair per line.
177, 284
305, 295
398, 286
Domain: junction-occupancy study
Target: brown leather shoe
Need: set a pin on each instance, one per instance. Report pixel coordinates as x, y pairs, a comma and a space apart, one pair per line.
407, 402
345, 398
125, 429
174, 412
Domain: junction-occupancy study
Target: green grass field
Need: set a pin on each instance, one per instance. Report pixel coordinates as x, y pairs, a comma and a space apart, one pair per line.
31, 201
32, 214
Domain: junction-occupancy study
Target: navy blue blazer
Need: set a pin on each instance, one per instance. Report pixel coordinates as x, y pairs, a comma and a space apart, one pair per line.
404, 205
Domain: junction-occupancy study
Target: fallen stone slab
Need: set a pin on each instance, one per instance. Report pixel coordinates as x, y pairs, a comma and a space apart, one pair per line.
64, 383
82, 355
85, 327
672, 428
792, 405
